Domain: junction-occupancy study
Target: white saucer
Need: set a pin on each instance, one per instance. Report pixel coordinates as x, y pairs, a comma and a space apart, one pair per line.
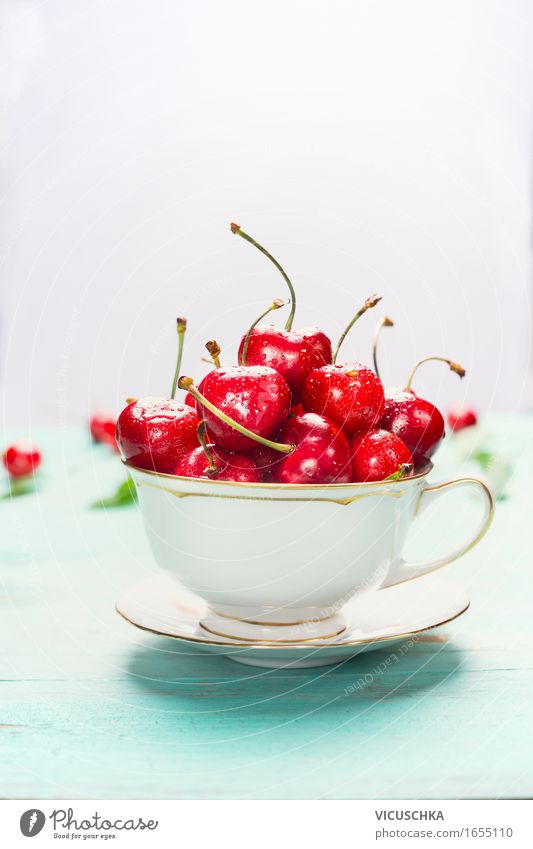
375, 620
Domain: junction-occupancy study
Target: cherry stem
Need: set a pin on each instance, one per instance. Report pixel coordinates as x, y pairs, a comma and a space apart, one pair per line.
368, 304
201, 433
453, 367
187, 384
181, 326
235, 228
383, 322
275, 305
214, 351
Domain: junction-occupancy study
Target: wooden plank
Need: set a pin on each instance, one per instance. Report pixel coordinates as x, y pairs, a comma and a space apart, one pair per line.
90, 707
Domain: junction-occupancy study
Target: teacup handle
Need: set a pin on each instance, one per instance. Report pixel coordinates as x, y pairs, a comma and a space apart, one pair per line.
403, 571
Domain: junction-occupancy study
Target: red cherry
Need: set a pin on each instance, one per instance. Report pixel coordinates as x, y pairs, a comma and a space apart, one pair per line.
379, 454
102, 426
319, 450
189, 401
321, 455
320, 343
224, 466
351, 395
210, 462
307, 426
265, 459
417, 422
154, 433
21, 459
292, 353
256, 397
461, 417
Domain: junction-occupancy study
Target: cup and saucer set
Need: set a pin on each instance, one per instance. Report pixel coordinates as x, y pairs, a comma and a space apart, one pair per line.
284, 575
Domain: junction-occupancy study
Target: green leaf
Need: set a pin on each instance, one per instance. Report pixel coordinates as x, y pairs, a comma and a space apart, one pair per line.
124, 495
484, 458
396, 476
403, 471
20, 486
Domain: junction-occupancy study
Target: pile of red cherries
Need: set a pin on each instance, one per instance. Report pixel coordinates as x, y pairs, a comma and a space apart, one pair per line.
288, 413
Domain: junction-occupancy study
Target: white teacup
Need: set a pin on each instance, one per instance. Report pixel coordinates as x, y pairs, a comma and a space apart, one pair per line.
278, 562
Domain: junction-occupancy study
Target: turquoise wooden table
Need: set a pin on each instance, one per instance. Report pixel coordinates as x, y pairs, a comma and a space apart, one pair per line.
92, 708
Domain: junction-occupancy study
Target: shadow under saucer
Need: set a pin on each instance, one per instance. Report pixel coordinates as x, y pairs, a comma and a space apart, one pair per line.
164, 669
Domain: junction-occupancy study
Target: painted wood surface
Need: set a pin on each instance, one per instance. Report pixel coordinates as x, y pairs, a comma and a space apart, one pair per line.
91, 707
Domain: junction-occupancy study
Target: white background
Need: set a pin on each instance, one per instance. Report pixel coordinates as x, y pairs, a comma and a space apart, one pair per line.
379, 146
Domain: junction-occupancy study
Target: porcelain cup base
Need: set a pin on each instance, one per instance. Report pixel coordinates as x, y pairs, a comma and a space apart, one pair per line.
255, 631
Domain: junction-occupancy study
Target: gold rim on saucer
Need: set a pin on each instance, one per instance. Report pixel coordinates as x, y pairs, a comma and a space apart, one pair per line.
286, 646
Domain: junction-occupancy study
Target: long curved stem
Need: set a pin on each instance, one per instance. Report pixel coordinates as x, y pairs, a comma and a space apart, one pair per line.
235, 228
368, 304
187, 384
455, 367
181, 326
275, 305
383, 322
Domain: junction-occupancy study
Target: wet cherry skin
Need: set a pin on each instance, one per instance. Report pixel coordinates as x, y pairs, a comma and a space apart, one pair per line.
322, 453
377, 455
461, 417
21, 459
265, 459
154, 433
291, 352
230, 467
417, 422
256, 397
350, 394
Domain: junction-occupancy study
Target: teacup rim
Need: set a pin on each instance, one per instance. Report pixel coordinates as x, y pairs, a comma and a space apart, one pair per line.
294, 487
